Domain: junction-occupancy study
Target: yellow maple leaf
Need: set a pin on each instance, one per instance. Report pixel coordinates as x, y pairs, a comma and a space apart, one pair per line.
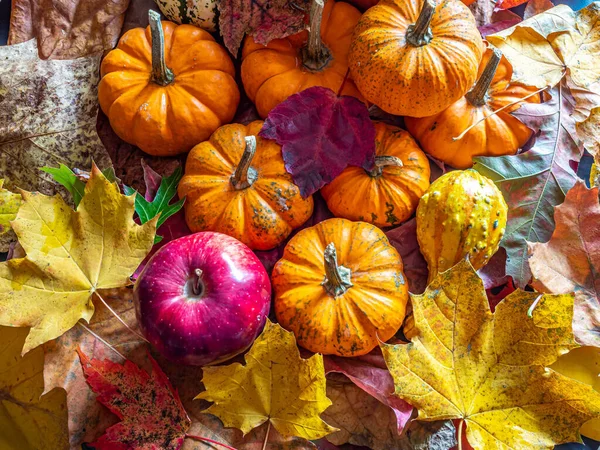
548, 46
275, 385
490, 369
69, 256
9, 205
28, 420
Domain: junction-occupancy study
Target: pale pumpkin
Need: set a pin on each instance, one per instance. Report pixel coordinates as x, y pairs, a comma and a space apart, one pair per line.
499, 134
202, 13
414, 57
272, 73
389, 194
168, 87
340, 288
462, 214
236, 183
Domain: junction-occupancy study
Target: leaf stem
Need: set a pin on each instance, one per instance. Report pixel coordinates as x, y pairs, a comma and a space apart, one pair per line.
203, 439
478, 95
339, 92
114, 313
460, 433
419, 33
315, 55
462, 135
267, 435
244, 175
161, 74
80, 323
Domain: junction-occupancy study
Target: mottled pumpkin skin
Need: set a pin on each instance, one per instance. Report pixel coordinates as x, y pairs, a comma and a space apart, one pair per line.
463, 213
499, 134
272, 73
262, 215
415, 81
350, 324
202, 13
387, 199
171, 119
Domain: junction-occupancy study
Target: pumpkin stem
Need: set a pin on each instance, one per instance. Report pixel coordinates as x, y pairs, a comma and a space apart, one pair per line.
315, 56
244, 175
337, 278
478, 96
161, 74
419, 33
383, 161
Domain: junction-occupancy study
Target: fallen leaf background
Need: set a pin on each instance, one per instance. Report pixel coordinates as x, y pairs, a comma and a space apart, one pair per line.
9, 206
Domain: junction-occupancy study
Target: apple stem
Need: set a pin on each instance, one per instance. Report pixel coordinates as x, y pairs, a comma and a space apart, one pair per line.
266, 435
337, 278
114, 313
203, 439
244, 175
81, 324
198, 286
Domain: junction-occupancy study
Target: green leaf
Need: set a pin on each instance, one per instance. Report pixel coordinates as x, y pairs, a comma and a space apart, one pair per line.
65, 176
147, 210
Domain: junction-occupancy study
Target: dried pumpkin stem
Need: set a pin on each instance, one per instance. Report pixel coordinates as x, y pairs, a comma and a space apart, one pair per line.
383, 161
337, 278
244, 175
419, 33
315, 56
161, 74
478, 96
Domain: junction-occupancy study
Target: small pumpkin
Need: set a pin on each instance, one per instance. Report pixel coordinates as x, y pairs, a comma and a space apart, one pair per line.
236, 184
168, 87
499, 134
390, 193
462, 213
272, 73
340, 288
202, 13
413, 63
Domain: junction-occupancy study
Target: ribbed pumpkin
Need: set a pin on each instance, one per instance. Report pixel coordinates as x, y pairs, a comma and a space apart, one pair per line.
340, 288
272, 73
236, 184
462, 213
499, 134
415, 58
202, 13
167, 88
389, 194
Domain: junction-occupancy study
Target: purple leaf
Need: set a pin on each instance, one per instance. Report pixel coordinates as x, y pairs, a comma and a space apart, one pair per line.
404, 239
152, 180
321, 134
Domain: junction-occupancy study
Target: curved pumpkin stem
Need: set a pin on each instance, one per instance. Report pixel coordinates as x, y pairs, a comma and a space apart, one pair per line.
337, 278
315, 56
244, 175
383, 161
420, 33
478, 95
161, 74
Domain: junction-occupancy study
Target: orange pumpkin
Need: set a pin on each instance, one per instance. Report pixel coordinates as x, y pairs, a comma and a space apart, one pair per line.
167, 88
272, 73
236, 184
389, 194
499, 134
413, 63
340, 288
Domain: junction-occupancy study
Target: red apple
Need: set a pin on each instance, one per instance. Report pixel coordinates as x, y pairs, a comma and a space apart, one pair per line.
202, 298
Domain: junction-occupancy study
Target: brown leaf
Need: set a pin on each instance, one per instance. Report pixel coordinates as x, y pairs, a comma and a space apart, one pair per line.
536, 7
482, 11
47, 116
264, 20
67, 29
570, 261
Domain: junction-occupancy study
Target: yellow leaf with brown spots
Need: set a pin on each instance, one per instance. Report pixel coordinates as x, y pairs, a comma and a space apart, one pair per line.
69, 256
490, 370
9, 205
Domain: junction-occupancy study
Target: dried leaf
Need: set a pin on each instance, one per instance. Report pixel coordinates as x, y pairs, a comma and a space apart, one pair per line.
9, 206
490, 369
275, 385
570, 261
151, 413
70, 254
404, 239
500, 20
589, 131
47, 116
67, 29
264, 20
535, 7
483, 10
506, 4
536, 181
28, 419
437, 435
321, 134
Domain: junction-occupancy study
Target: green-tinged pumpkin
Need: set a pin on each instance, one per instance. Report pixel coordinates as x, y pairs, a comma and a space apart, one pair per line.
389, 194
202, 13
340, 288
462, 213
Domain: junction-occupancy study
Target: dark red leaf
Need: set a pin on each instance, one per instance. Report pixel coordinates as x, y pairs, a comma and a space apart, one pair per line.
321, 134
150, 410
404, 239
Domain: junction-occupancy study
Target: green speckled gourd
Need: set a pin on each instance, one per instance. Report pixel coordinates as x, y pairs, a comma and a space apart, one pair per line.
202, 13
462, 213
